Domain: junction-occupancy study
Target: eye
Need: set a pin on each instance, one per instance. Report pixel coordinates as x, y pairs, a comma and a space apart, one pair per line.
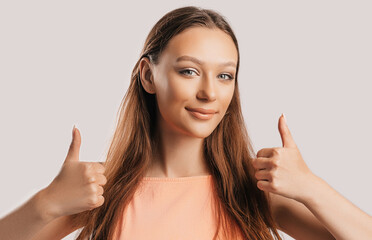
229, 77
186, 71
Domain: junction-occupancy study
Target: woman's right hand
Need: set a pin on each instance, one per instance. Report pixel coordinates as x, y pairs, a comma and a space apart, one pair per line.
78, 186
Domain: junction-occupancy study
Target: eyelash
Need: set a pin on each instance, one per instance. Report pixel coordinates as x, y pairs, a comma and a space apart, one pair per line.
229, 79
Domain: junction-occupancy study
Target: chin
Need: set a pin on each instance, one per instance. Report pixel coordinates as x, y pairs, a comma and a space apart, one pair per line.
198, 129
201, 132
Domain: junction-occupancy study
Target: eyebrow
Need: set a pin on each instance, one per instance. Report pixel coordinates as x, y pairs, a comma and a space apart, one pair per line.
192, 59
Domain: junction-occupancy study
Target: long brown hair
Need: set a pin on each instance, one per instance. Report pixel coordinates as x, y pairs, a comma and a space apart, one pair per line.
227, 150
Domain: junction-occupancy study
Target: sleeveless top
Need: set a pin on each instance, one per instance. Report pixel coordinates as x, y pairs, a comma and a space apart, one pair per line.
169, 208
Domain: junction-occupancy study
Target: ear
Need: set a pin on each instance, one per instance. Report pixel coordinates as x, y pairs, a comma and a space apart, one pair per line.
146, 75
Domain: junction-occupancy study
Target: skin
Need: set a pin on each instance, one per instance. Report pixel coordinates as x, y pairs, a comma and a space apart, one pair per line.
77, 188
281, 171
204, 86
303, 205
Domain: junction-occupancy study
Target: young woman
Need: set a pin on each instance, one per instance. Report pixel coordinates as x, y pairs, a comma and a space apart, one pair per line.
180, 163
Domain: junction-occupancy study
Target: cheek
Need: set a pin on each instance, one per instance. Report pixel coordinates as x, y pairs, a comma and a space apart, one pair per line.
173, 93
177, 90
180, 90
225, 97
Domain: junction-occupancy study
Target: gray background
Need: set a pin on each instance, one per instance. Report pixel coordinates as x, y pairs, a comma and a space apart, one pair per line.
69, 62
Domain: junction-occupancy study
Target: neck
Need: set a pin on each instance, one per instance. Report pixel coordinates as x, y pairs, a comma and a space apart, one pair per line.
177, 155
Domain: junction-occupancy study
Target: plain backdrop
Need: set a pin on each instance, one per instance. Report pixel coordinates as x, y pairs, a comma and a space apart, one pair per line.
69, 62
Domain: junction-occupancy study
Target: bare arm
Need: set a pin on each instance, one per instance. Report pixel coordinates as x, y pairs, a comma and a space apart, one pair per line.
283, 171
77, 188
295, 219
57, 229
323, 214
341, 217
26, 220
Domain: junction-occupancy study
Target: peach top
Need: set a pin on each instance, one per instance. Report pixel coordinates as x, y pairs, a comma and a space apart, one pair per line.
170, 208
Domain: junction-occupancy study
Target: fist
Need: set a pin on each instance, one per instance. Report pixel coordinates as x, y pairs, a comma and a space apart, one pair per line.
78, 186
282, 170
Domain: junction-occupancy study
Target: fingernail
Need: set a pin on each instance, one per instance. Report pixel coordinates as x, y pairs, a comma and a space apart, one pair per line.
285, 119
73, 130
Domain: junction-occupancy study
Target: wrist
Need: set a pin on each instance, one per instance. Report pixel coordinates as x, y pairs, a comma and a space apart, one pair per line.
47, 211
312, 189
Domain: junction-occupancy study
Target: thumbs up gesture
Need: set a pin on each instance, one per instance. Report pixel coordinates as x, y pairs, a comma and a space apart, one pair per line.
282, 170
78, 186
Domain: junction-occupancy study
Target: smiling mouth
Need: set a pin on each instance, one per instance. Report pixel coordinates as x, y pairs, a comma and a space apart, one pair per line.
199, 115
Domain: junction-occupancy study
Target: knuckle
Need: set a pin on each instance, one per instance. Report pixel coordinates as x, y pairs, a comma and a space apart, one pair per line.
274, 186
275, 152
98, 168
101, 201
90, 179
92, 201
275, 162
100, 190
259, 152
104, 180
93, 188
101, 168
254, 162
98, 202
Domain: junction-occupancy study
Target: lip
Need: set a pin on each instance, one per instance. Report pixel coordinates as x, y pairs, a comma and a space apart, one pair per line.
201, 113
201, 110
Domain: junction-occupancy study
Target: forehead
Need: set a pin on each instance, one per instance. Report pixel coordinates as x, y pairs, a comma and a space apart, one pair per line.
212, 46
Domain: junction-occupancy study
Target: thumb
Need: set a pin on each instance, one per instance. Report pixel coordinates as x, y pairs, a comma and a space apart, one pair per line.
74, 150
285, 134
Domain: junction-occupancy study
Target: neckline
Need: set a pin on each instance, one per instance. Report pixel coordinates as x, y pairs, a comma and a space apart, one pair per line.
177, 179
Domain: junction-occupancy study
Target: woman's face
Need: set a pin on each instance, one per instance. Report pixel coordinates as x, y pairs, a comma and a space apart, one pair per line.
196, 70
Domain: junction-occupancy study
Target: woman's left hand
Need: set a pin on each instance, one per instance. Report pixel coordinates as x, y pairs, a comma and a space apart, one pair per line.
282, 170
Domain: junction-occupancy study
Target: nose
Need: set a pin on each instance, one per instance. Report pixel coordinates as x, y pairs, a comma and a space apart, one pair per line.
207, 89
